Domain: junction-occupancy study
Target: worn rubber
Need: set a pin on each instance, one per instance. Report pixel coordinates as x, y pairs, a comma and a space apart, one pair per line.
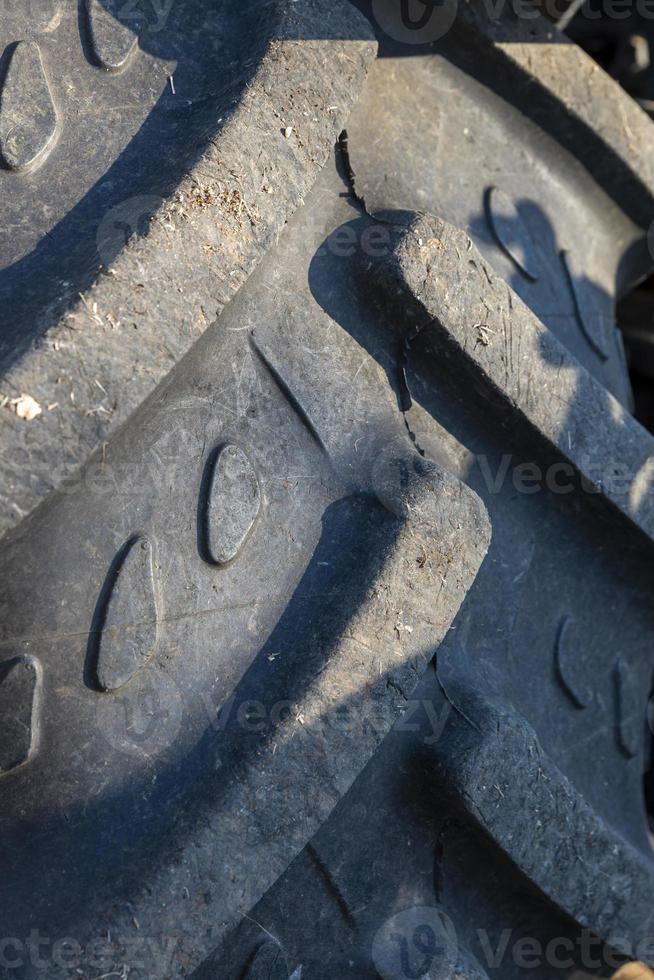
165, 181
302, 668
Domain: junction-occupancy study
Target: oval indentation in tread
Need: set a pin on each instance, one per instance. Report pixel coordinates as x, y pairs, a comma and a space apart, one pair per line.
567, 665
113, 42
629, 723
28, 120
590, 317
124, 632
268, 963
232, 504
19, 683
512, 233
28, 20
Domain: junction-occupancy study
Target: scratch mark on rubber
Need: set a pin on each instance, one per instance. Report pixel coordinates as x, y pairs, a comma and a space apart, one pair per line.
448, 826
394, 686
288, 394
453, 703
406, 399
344, 149
332, 887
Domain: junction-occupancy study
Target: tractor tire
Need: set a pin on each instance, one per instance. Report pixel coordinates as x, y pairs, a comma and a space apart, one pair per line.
325, 592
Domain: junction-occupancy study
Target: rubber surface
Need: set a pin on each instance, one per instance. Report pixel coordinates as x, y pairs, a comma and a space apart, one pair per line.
318, 641
164, 183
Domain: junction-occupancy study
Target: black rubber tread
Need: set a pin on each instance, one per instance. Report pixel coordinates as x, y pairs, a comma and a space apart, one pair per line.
175, 630
231, 604
463, 175
559, 601
167, 181
569, 96
445, 288
376, 858
481, 804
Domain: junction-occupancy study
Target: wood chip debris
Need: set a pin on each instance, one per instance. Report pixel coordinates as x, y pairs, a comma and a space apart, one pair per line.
26, 407
633, 971
401, 626
92, 310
